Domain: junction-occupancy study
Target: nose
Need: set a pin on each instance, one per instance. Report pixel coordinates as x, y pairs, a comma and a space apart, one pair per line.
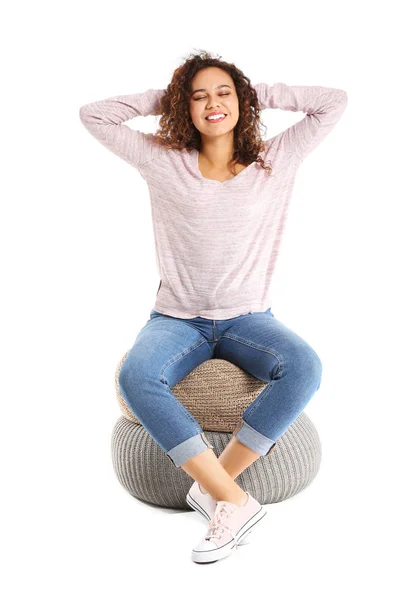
214, 106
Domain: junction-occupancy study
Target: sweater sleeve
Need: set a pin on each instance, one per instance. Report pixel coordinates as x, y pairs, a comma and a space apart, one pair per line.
105, 121
323, 107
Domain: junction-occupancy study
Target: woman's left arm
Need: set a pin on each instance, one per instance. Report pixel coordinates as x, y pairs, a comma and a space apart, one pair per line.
323, 107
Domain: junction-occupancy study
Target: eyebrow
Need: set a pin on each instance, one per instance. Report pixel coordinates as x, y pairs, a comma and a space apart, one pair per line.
203, 90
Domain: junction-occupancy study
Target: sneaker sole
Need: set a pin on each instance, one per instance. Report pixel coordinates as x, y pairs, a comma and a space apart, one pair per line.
196, 506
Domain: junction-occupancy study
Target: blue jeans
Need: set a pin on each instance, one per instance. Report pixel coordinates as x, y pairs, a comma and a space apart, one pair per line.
168, 348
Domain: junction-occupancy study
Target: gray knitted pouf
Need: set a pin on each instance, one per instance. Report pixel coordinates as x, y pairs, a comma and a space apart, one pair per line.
217, 393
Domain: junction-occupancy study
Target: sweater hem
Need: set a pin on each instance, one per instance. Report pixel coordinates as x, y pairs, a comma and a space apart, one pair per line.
218, 314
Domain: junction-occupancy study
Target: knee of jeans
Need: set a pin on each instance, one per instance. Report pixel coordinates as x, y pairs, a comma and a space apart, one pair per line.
132, 374
124, 380
305, 364
314, 367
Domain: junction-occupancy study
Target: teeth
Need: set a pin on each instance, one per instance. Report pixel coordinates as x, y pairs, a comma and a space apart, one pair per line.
215, 117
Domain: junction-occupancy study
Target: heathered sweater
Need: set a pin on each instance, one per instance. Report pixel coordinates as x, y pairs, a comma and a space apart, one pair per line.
216, 242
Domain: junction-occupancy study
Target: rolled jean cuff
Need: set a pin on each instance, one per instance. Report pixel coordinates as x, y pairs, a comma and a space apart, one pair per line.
253, 439
188, 449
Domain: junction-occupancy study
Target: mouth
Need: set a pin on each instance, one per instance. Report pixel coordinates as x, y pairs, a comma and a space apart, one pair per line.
216, 120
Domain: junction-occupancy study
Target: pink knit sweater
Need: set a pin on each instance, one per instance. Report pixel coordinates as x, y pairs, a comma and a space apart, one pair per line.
216, 242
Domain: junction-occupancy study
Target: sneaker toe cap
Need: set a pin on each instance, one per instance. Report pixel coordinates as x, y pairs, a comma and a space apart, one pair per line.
205, 545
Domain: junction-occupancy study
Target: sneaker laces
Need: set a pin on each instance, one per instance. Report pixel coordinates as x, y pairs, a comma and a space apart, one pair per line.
217, 525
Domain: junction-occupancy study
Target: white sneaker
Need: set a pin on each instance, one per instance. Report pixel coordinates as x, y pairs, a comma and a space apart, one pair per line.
229, 524
205, 505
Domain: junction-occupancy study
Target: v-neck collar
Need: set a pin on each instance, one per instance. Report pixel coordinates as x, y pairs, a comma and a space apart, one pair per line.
215, 181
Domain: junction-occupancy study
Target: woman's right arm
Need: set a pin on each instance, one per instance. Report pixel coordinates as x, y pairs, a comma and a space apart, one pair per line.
105, 121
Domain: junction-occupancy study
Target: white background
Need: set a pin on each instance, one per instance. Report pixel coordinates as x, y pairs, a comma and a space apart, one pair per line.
79, 280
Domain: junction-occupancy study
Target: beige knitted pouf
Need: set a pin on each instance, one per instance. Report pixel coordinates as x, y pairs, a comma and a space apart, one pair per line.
217, 393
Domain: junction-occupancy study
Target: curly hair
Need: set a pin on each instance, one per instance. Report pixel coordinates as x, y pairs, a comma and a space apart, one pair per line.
176, 130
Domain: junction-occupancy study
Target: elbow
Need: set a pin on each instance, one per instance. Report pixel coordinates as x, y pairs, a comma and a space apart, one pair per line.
82, 113
344, 97
341, 99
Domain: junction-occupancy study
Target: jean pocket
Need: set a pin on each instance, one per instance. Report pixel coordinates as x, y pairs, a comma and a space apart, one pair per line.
155, 313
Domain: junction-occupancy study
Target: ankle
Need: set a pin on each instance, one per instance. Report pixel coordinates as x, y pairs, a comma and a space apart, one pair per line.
238, 499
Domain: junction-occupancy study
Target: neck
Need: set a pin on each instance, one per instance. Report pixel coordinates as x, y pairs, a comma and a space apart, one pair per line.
217, 152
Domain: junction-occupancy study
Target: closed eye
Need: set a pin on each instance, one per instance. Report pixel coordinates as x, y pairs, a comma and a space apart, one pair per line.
202, 97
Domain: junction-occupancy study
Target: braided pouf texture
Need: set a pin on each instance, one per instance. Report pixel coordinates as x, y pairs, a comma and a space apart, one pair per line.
217, 393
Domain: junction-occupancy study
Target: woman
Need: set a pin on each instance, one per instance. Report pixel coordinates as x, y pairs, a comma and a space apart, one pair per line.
219, 197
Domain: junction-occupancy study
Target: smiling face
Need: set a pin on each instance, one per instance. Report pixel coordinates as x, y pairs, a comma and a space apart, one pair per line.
213, 90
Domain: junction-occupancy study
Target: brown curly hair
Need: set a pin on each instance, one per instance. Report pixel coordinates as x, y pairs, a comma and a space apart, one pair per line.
176, 130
